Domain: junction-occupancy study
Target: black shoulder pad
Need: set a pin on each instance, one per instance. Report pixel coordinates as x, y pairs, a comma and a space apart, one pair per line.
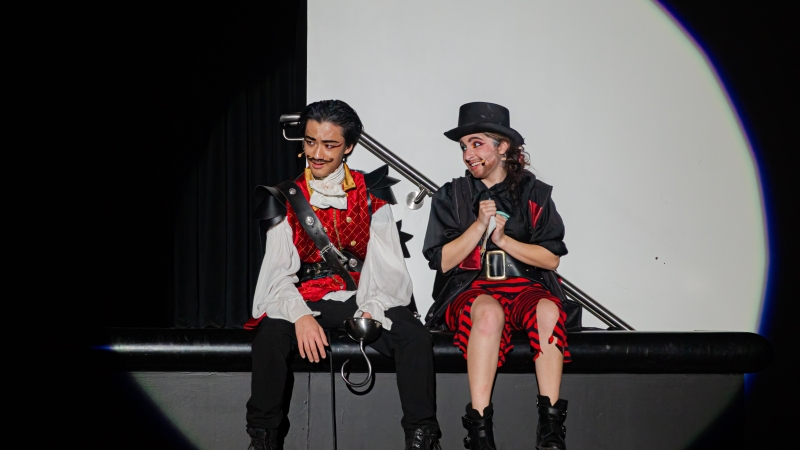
379, 184
271, 210
271, 206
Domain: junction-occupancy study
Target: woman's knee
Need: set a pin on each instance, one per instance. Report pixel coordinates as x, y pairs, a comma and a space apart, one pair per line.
487, 315
547, 314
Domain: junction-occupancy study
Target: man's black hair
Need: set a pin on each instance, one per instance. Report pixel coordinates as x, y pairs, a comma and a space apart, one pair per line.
338, 113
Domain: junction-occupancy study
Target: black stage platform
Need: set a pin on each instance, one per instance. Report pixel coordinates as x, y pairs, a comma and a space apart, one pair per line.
592, 352
627, 389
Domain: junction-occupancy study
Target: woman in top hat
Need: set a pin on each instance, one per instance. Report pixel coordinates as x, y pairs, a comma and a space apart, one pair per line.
495, 238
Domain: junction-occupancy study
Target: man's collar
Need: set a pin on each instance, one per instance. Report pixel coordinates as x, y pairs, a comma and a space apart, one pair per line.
347, 184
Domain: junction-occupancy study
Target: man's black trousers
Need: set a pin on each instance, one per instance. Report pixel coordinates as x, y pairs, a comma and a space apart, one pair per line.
408, 342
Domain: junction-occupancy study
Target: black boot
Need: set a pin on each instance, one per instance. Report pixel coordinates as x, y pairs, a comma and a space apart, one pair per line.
261, 439
423, 438
551, 432
480, 433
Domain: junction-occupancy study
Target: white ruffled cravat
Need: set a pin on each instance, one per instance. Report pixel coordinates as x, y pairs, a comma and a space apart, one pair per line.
328, 191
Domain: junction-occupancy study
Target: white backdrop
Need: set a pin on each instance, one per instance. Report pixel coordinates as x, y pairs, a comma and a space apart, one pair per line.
621, 114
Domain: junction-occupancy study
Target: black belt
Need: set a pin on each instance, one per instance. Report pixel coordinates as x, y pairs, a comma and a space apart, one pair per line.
312, 271
499, 265
313, 227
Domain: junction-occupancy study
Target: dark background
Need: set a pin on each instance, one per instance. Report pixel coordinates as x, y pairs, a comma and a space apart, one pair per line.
171, 116
168, 120
754, 48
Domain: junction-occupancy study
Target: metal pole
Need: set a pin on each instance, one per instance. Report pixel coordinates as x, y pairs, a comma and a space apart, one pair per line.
593, 306
397, 163
289, 118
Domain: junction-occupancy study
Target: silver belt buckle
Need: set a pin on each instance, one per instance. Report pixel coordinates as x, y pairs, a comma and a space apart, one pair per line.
489, 275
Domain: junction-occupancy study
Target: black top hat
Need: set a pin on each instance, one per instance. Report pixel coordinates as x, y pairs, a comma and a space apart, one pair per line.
480, 117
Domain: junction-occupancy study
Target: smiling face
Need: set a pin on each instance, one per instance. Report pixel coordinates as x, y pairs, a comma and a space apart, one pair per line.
483, 157
324, 147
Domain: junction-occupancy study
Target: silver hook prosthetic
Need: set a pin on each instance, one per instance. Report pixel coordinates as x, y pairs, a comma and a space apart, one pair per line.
369, 369
363, 331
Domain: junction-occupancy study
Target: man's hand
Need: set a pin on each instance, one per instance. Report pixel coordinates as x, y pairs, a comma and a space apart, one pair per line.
366, 315
311, 339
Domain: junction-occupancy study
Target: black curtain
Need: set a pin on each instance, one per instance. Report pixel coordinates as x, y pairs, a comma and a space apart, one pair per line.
188, 101
217, 247
149, 125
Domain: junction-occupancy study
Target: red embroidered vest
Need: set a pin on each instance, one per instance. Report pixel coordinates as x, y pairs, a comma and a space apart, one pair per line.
347, 229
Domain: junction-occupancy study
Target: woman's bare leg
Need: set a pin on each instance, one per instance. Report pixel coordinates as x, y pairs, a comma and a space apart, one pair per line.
550, 363
483, 349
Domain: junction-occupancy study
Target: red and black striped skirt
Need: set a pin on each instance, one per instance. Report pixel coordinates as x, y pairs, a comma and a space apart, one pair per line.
519, 299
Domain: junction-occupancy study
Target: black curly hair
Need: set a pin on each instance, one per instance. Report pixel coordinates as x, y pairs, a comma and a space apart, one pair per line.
516, 159
338, 113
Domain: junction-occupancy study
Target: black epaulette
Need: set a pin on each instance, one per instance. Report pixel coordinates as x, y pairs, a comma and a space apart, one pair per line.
379, 184
271, 210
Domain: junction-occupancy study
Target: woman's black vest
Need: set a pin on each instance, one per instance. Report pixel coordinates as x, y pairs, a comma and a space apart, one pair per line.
447, 287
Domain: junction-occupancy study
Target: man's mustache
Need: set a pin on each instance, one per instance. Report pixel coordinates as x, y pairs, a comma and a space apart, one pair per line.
318, 161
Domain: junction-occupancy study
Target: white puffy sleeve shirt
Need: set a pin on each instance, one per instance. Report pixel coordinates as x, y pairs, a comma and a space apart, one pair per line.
385, 281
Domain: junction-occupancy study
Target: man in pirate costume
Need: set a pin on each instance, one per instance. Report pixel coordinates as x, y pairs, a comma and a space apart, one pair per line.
333, 252
494, 237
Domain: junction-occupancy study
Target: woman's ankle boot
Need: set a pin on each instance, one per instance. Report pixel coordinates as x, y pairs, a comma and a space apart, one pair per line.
551, 432
480, 433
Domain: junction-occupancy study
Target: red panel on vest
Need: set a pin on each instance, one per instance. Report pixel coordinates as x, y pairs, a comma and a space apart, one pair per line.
473, 261
536, 211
